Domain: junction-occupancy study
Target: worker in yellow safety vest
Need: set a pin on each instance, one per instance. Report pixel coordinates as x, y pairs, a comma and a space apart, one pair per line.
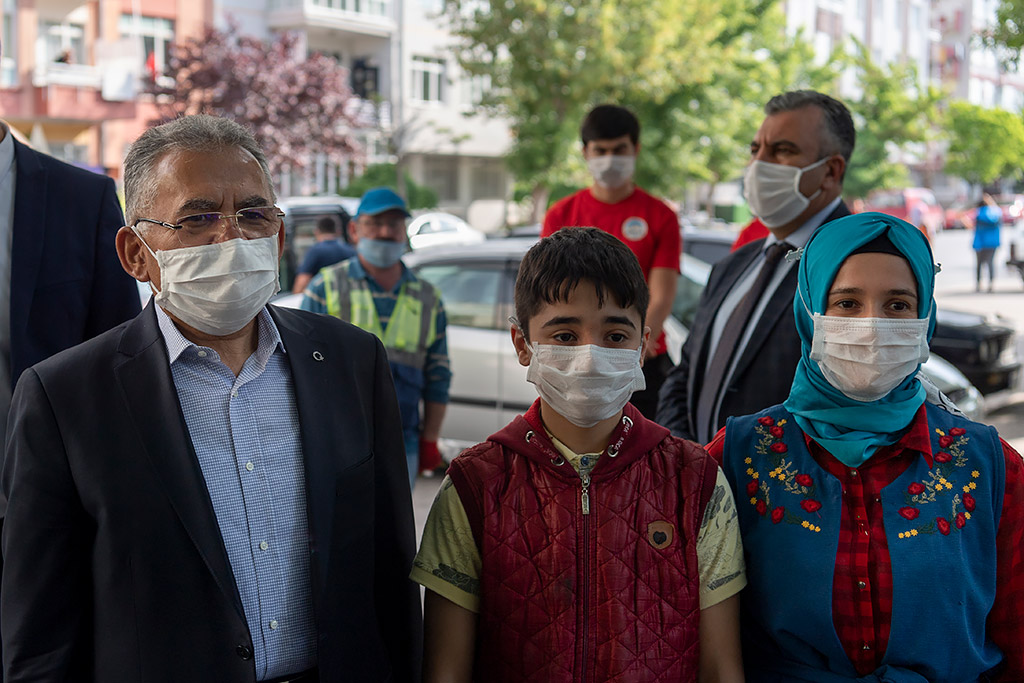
376, 292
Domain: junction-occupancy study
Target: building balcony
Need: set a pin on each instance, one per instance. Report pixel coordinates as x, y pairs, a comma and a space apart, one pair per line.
72, 92
359, 17
72, 75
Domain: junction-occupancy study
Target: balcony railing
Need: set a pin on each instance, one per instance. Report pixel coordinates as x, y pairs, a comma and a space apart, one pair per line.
73, 75
363, 8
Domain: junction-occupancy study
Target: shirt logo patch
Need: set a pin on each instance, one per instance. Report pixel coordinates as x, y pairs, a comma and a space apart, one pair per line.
634, 228
660, 534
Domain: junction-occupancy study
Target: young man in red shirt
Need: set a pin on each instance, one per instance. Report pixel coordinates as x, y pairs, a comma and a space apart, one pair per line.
614, 204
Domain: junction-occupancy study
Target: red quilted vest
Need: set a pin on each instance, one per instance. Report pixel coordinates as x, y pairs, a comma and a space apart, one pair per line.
612, 595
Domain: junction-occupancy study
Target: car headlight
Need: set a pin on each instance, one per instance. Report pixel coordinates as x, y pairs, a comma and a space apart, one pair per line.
1009, 354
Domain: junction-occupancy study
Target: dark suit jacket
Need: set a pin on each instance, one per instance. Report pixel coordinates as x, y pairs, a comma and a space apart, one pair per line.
115, 568
67, 284
764, 373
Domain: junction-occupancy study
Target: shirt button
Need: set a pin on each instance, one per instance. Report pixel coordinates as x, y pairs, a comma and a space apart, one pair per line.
273, 624
264, 545
853, 473
244, 652
866, 647
861, 585
201, 354
234, 393
249, 466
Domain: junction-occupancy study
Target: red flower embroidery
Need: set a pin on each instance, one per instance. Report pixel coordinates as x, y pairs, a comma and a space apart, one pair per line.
776, 431
960, 520
751, 487
909, 513
766, 421
804, 480
810, 505
779, 447
957, 431
761, 508
945, 441
943, 456
969, 502
777, 514
915, 488
943, 525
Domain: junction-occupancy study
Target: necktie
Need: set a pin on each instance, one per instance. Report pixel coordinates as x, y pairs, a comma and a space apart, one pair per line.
712, 386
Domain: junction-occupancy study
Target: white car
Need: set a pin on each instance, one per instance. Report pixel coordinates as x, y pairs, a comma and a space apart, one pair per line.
436, 229
489, 386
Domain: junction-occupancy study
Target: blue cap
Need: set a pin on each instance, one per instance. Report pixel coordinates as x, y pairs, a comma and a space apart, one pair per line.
381, 199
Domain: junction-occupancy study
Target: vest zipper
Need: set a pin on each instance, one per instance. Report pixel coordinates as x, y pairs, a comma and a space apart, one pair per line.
588, 584
585, 494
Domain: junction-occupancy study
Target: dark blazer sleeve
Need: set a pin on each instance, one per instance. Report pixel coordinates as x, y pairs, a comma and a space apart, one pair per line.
43, 593
397, 598
115, 295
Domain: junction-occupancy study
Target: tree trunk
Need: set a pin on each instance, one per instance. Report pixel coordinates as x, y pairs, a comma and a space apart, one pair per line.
709, 202
540, 196
400, 180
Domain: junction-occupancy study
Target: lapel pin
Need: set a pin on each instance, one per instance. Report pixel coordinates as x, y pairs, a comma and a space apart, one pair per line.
318, 356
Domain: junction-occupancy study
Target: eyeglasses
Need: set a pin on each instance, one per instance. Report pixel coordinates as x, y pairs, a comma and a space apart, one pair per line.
253, 223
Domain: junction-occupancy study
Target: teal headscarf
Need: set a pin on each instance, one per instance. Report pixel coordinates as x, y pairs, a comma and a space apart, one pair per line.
853, 430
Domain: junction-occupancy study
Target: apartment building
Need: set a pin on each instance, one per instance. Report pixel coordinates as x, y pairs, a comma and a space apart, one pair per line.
70, 71
414, 108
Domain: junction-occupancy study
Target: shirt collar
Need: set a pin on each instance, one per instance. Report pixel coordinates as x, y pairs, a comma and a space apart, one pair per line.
268, 336
6, 150
799, 237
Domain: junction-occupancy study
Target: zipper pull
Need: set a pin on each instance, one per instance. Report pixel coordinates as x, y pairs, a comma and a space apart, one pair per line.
585, 495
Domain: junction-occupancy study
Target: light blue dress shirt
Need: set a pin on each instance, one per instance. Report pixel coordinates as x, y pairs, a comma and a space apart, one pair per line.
245, 431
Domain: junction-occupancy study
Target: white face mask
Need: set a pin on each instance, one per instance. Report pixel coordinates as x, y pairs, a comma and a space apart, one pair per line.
773, 191
866, 358
585, 384
217, 288
612, 170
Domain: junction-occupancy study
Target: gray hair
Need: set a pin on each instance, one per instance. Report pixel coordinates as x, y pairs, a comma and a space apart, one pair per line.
839, 134
200, 132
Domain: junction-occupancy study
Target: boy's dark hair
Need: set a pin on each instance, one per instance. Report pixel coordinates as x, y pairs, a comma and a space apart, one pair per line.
609, 121
555, 265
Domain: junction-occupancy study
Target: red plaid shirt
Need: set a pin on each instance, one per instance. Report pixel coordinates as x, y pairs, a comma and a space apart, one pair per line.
862, 584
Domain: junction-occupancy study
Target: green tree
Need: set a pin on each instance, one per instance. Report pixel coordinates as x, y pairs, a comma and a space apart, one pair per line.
985, 145
550, 61
384, 175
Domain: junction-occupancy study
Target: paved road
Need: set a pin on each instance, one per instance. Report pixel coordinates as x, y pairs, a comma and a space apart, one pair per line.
955, 290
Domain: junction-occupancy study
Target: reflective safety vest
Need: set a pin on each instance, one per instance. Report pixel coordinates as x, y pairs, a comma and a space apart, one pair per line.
412, 326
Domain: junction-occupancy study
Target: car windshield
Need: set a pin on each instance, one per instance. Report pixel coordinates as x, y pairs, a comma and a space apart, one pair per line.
692, 280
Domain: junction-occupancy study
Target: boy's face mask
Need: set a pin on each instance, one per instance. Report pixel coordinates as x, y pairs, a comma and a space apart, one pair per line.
585, 384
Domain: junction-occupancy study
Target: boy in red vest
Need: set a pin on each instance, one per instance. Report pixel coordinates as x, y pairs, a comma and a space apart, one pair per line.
582, 542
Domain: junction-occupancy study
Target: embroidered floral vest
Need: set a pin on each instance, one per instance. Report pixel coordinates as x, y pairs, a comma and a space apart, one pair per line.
941, 525
605, 590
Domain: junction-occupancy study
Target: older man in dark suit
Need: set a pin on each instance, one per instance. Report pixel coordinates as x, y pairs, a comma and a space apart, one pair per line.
742, 351
215, 490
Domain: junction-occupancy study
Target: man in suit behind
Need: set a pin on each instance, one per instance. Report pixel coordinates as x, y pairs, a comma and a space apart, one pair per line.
60, 281
743, 348
216, 489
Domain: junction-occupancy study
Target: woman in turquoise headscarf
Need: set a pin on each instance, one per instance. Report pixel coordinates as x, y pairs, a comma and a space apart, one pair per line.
883, 533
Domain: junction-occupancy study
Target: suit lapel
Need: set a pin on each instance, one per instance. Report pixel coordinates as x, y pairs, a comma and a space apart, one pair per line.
781, 301
27, 232
316, 399
153, 405
733, 271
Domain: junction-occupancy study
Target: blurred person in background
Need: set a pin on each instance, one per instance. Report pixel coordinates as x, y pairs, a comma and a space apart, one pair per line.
614, 204
376, 292
988, 220
329, 249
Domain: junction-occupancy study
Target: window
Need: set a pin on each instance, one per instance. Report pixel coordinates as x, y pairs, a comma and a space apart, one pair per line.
474, 88
488, 179
427, 79
8, 63
469, 291
60, 43
441, 174
157, 35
